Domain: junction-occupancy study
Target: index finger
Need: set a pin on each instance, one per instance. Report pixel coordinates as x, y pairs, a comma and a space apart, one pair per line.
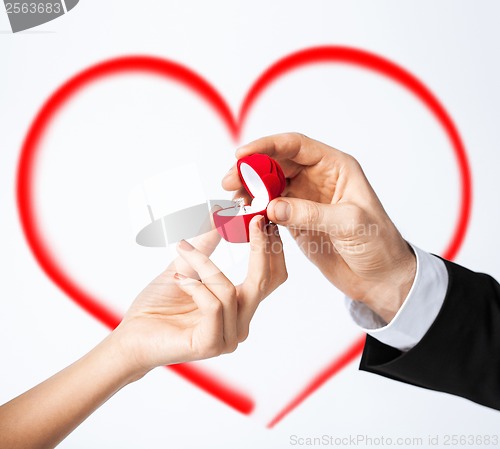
206, 244
293, 147
293, 151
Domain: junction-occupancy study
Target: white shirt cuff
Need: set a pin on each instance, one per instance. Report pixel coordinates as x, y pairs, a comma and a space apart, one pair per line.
418, 311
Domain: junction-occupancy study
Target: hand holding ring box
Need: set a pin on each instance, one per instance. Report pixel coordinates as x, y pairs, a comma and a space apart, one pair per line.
264, 180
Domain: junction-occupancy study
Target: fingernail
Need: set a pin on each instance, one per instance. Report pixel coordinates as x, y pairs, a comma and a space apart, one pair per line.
261, 223
179, 276
186, 246
282, 210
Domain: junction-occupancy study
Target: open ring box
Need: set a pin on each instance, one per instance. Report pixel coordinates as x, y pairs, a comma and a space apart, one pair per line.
264, 180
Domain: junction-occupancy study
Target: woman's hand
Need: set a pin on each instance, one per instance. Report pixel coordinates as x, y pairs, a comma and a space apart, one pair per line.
178, 317
192, 311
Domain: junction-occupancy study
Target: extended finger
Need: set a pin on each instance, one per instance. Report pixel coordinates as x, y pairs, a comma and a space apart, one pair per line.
288, 146
218, 284
277, 263
255, 286
293, 151
211, 327
258, 264
205, 243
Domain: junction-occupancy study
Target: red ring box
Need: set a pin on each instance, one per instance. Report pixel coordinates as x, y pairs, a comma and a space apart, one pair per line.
264, 180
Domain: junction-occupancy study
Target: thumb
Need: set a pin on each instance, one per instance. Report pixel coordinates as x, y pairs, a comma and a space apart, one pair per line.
308, 215
299, 213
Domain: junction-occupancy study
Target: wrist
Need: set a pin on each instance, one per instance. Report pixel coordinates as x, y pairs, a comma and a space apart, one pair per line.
116, 348
387, 296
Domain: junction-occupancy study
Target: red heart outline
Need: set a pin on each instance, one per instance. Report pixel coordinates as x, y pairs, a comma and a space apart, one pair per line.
194, 82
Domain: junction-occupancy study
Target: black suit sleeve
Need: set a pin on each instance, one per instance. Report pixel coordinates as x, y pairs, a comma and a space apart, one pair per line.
460, 353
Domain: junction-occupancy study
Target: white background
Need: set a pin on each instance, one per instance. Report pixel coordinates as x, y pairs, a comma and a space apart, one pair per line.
121, 131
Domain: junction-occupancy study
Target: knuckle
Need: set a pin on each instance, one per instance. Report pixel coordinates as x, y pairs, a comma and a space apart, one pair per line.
243, 334
215, 307
231, 346
283, 276
293, 139
229, 291
213, 348
263, 284
352, 162
298, 136
312, 213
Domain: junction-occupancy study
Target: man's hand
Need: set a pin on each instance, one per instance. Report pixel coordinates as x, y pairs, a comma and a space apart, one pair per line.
337, 220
